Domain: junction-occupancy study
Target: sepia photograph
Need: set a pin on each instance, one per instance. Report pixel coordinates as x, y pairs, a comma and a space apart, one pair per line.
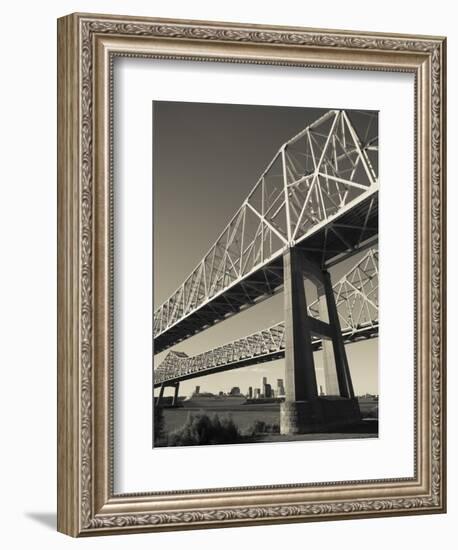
265, 266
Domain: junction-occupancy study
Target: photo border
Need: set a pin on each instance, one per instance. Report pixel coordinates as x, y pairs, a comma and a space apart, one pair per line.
87, 45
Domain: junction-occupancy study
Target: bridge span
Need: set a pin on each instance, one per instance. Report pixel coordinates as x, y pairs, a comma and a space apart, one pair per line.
314, 205
319, 193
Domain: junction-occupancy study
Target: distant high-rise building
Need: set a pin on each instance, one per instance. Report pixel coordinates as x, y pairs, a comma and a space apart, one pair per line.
235, 391
250, 392
263, 386
268, 391
257, 393
197, 390
280, 387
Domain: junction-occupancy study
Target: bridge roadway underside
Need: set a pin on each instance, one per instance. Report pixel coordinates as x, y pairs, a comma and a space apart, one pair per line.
365, 334
344, 234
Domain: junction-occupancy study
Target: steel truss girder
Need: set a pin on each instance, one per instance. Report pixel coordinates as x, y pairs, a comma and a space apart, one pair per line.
320, 190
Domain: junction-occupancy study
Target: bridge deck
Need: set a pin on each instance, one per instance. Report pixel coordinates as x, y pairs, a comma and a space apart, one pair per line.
238, 355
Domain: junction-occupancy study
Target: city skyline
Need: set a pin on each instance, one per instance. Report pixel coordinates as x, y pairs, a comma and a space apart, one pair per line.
227, 391
198, 389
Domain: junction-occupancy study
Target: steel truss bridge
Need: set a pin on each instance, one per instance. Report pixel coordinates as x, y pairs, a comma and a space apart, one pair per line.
319, 192
314, 205
356, 295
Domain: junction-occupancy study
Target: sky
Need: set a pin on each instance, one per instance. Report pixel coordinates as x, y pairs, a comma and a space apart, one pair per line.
206, 159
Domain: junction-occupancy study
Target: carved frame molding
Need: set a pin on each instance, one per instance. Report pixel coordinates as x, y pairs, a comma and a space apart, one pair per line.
87, 45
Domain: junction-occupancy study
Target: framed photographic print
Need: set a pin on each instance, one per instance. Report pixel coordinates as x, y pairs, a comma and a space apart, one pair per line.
251, 274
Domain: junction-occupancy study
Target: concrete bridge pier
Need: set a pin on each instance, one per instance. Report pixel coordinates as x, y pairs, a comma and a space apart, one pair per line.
175, 395
161, 395
331, 382
336, 347
304, 411
296, 415
160, 399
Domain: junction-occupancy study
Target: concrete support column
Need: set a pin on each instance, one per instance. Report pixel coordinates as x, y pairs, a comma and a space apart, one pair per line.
175, 395
303, 410
331, 382
297, 413
161, 395
340, 355
300, 377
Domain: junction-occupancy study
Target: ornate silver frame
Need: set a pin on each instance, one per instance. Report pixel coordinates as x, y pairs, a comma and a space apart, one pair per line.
87, 44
